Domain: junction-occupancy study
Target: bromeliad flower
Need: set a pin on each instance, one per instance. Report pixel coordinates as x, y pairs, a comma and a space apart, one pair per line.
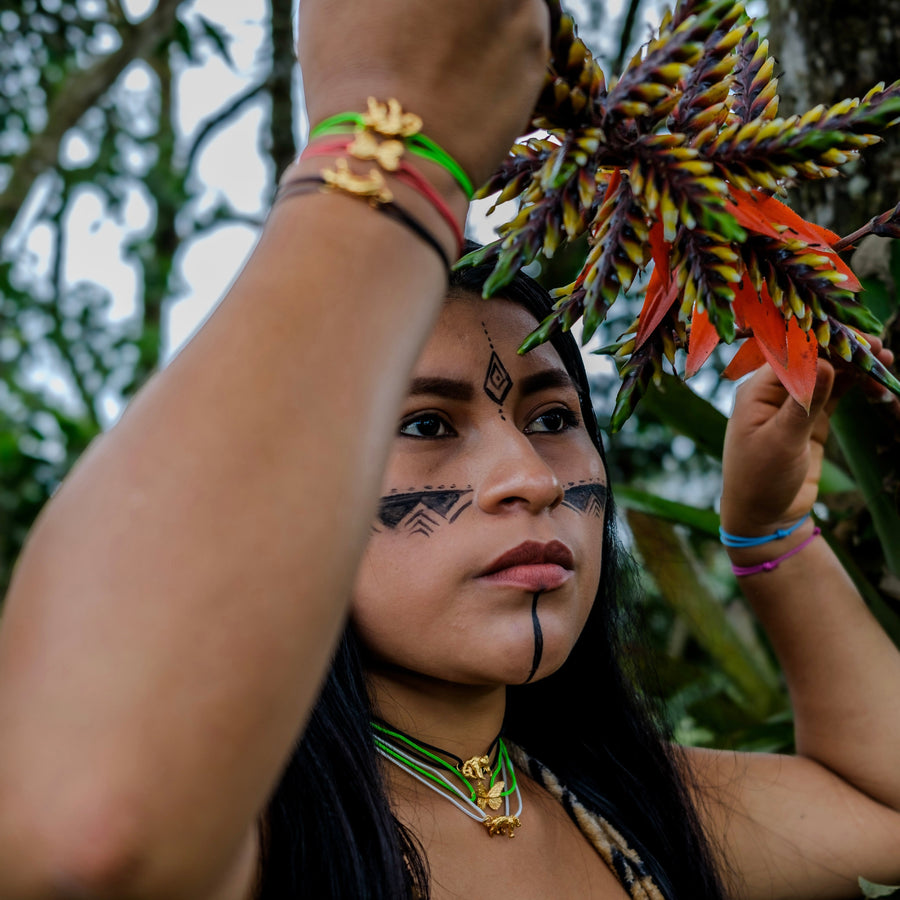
673, 170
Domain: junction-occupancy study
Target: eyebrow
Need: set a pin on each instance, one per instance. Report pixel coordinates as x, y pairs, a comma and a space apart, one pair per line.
547, 378
454, 389
442, 387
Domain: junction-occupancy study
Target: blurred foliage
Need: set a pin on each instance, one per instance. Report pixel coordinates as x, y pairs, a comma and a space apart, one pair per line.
89, 120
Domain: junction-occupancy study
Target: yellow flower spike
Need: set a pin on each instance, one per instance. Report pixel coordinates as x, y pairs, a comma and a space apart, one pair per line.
771, 110
671, 73
587, 188
766, 180
797, 306
635, 251
572, 222
811, 259
812, 116
769, 91
767, 69
724, 252
728, 274
668, 347
625, 271
712, 115
687, 217
552, 239
842, 108
651, 194
841, 345
560, 92
632, 109
822, 332
873, 92
669, 214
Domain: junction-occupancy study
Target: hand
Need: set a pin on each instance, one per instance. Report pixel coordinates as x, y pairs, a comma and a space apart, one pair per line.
472, 69
774, 450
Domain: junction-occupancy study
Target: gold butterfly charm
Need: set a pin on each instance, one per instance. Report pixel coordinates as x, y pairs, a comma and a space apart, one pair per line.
386, 153
390, 120
501, 825
477, 767
491, 796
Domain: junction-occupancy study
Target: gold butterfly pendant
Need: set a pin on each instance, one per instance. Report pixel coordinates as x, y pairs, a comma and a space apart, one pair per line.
490, 796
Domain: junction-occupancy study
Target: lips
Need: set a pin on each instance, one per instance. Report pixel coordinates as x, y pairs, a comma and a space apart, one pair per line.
532, 566
531, 553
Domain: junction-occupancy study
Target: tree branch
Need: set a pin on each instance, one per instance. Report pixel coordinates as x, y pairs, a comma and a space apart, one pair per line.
224, 114
81, 90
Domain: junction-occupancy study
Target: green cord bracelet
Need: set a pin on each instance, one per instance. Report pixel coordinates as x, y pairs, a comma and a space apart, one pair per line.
418, 144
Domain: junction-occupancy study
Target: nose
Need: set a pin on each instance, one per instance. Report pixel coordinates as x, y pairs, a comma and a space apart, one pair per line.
515, 475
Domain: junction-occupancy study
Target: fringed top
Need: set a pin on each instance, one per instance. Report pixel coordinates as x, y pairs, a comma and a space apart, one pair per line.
624, 862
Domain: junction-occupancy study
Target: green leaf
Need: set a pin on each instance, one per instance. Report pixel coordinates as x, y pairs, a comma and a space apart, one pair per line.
860, 433
675, 405
870, 889
681, 581
704, 521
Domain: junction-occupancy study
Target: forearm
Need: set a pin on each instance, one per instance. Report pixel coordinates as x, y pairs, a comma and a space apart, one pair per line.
842, 670
177, 604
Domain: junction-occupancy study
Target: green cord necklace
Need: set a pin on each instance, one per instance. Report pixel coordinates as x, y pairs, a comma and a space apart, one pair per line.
474, 785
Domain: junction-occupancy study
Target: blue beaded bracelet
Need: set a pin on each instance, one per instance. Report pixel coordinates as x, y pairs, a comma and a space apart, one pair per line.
733, 540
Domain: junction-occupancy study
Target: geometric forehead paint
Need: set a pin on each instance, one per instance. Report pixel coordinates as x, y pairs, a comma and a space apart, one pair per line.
420, 512
497, 381
588, 498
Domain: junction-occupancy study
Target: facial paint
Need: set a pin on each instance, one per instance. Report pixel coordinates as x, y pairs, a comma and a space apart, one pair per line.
587, 498
538, 638
497, 381
421, 512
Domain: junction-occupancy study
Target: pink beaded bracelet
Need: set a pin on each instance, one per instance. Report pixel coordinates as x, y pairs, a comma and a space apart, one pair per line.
770, 564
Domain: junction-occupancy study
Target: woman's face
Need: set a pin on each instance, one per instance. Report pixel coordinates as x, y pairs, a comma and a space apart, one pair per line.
484, 558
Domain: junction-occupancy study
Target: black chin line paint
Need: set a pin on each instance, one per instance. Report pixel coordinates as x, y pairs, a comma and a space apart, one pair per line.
538, 639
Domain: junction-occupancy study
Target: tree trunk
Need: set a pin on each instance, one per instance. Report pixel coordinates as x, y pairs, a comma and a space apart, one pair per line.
828, 50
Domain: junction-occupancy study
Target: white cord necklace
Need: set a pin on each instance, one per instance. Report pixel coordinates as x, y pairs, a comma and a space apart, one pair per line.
488, 790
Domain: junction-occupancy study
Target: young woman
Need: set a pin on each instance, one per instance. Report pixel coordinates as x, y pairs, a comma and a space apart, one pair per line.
339, 440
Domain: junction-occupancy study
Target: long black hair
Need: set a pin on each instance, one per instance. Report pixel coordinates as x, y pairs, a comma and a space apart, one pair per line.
329, 831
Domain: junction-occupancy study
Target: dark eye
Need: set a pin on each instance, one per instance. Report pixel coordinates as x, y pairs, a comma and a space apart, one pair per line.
552, 422
425, 425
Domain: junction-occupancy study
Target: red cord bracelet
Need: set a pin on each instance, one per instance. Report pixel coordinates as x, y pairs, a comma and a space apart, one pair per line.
404, 173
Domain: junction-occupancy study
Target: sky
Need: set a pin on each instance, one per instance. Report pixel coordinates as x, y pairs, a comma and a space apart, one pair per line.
229, 164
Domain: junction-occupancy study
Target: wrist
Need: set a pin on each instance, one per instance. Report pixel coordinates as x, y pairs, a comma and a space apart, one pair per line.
756, 555
442, 216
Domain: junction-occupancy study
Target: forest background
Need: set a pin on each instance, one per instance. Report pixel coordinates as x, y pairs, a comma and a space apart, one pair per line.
139, 146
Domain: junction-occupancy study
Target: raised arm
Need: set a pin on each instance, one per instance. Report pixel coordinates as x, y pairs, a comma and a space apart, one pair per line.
806, 826
177, 603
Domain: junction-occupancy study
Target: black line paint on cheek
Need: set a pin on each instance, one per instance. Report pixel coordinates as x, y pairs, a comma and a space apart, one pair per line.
421, 512
538, 639
587, 497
